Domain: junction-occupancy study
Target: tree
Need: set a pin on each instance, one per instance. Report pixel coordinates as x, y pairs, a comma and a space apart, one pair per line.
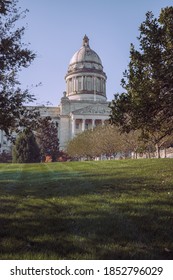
14, 56
102, 140
26, 149
147, 102
47, 138
106, 140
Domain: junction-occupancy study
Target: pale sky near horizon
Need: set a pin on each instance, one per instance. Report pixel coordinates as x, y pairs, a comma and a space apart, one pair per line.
55, 29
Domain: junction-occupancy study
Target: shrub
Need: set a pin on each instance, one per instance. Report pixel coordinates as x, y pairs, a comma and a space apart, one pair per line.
26, 149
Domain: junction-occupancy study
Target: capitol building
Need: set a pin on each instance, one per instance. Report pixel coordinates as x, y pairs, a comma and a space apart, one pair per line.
84, 104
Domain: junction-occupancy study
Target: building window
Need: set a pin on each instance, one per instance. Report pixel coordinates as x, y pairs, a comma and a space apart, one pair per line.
89, 83
86, 125
77, 125
79, 83
98, 122
70, 85
97, 84
101, 85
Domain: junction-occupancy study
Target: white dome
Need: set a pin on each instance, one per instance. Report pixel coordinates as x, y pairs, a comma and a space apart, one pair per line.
85, 78
85, 54
86, 58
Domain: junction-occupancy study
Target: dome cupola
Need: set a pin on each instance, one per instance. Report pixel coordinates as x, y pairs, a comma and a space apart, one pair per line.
85, 78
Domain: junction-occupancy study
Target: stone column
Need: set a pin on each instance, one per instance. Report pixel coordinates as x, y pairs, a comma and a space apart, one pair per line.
74, 84
82, 83
73, 127
83, 124
94, 80
101, 85
93, 123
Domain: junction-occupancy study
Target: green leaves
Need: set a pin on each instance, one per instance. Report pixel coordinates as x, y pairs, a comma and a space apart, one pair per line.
47, 138
26, 149
4, 6
104, 141
14, 55
147, 102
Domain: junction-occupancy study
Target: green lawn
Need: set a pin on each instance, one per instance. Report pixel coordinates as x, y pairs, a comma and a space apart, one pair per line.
87, 210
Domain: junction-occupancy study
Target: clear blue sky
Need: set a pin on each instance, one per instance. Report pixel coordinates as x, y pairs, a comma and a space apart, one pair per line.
55, 29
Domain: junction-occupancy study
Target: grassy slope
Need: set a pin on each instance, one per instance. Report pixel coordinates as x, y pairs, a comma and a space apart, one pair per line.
89, 210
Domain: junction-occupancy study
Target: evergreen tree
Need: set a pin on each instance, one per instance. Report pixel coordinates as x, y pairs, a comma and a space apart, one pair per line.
147, 102
47, 138
14, 56
26, 149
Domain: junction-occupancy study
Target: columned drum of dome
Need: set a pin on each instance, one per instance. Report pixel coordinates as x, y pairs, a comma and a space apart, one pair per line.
85, 78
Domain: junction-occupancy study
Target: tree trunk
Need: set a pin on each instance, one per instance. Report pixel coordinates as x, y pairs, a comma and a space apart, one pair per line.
165, 152
157, 151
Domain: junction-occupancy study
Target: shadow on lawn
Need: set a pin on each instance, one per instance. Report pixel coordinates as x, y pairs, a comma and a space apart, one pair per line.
93, 235
111, 230
76, 183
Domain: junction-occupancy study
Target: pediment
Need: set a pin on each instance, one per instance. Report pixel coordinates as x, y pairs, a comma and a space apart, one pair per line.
96, 109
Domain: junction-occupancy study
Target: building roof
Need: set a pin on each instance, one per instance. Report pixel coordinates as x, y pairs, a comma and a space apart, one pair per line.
85, 54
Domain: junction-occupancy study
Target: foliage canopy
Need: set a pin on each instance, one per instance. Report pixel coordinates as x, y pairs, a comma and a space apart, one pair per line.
147, 101
14, 56
26, 149
47, 138
104, 141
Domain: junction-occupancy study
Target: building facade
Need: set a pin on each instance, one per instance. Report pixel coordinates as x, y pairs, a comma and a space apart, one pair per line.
84, 103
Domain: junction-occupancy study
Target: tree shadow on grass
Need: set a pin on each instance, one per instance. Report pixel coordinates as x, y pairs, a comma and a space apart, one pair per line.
60, 234
46, 184
82, 216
